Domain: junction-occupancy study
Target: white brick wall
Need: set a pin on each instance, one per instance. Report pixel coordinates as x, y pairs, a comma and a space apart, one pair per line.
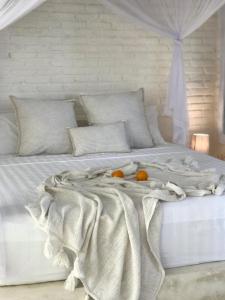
66, 47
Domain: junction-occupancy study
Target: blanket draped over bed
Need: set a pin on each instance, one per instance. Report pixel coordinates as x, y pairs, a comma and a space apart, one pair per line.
107, 230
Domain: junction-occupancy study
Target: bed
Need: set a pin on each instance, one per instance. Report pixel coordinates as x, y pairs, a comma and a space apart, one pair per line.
193, 231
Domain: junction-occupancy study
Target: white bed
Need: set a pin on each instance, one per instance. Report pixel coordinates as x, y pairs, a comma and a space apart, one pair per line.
193, 231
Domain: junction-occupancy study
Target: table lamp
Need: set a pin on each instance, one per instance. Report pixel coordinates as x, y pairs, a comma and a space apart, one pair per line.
200, 142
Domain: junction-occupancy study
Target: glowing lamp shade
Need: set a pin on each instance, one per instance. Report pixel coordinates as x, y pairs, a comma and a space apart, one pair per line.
200, 142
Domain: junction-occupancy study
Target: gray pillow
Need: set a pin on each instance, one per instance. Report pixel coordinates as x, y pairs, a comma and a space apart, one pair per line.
99, 138
43, 126
152, 120
127, 107
8, 133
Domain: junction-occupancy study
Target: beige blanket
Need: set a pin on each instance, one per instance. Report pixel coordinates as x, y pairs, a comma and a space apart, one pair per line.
107, 230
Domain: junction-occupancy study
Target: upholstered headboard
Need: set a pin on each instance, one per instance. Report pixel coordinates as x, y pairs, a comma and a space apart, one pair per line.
166, 128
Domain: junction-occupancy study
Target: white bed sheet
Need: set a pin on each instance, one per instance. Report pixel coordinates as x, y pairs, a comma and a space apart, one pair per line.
193, 231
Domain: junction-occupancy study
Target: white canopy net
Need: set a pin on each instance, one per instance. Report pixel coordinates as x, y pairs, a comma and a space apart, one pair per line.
172, 18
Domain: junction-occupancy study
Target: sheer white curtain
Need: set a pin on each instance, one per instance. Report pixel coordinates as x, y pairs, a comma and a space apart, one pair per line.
12, 10
175, 19
221, 106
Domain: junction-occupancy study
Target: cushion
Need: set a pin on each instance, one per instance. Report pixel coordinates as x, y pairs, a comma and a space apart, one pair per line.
128, 107
43, 126
99, 138
152, 120
8, 133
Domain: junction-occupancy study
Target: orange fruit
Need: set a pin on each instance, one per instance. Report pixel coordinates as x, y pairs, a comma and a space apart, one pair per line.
141, 175
118, 173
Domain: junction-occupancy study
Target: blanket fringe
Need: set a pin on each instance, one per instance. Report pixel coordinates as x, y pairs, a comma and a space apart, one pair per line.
61, 259
71, 282
49, 250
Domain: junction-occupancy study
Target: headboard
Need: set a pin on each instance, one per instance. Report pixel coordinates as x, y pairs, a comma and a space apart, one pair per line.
166, 128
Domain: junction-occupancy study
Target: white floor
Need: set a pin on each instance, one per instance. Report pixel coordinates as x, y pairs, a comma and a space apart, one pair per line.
43, 291
201, 282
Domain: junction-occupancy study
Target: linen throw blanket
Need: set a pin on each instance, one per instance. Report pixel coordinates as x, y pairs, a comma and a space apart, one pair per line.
107, 230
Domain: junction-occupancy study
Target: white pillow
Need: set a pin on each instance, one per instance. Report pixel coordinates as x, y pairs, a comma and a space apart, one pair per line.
127, 107
43, 126
8, 133
152, 120
99, 138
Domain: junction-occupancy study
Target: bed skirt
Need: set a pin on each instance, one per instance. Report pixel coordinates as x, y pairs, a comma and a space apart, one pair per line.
199, 282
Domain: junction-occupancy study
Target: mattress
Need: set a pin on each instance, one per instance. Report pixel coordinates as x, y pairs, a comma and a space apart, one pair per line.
193, 230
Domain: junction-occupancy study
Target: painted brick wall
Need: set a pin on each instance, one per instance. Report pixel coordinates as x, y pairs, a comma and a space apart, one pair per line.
66, 47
